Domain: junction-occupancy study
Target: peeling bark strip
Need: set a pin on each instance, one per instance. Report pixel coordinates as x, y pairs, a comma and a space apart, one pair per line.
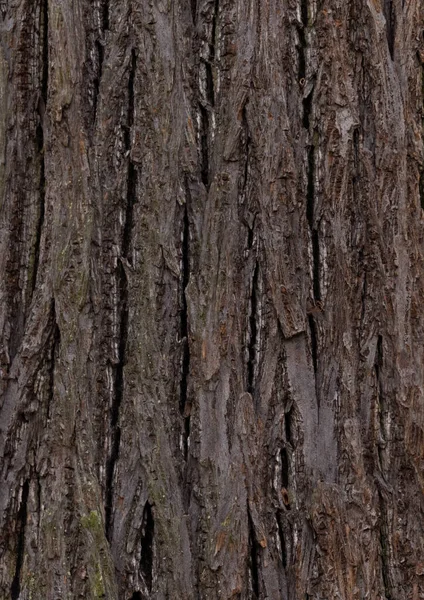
147, 533
42, 106
123, 304
184, 330
15, 589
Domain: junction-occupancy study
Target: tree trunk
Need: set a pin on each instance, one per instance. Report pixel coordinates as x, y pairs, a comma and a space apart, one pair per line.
211, 279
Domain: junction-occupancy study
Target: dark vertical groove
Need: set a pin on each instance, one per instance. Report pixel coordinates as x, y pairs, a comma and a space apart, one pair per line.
390, 16
282, 538
304, 12
316, 285
307, 109
245, 149
184, 330
310, 190
253, 558
123, 305
253, 332
204, 143
302, 45
421, 189
105, 15
214, 28
314, 342
193, 4
204, 133
15, 588
137, 596
53, 354
147, 533
384, 533
210, 91
310, 215
385, 551
284, 468
42, 104
381, 404
99, 47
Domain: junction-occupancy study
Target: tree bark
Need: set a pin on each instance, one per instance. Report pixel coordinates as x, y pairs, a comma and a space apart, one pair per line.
211, 263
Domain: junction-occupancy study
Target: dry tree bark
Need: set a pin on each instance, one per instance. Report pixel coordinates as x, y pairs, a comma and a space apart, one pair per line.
211, 278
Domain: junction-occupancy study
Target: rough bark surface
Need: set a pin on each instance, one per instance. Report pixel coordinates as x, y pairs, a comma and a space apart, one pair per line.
211, 290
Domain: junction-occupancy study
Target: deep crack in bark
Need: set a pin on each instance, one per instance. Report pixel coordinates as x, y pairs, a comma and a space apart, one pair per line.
53, 355
381, 442
283, 547
184, 330
254, 557
284, 468
252, 362
390, 16
15, 588
146, 541
99, 46
123, 304
42, 104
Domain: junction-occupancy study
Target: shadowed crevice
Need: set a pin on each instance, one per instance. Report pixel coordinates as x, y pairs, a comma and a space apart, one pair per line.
204, 146
390, 16
40, 134
184, 328
100, 52
146, 542
54, 353
254, 563
385, 551
282, 538
421, 189
21, 521
122, 292
252, 362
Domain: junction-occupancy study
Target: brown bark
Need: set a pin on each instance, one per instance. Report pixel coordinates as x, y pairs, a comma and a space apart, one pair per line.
211, 286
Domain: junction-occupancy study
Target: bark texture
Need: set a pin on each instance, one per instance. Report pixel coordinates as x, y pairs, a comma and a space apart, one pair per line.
211, 290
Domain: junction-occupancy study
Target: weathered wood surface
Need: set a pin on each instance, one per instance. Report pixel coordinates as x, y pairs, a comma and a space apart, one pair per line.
211, 288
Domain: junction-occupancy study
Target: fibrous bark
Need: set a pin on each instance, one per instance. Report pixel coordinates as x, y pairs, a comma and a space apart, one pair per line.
211, 263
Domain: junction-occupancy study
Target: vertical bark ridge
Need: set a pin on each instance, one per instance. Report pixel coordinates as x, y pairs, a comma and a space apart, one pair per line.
184, 329
118, 393
41, 109
147, 535
15, 589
